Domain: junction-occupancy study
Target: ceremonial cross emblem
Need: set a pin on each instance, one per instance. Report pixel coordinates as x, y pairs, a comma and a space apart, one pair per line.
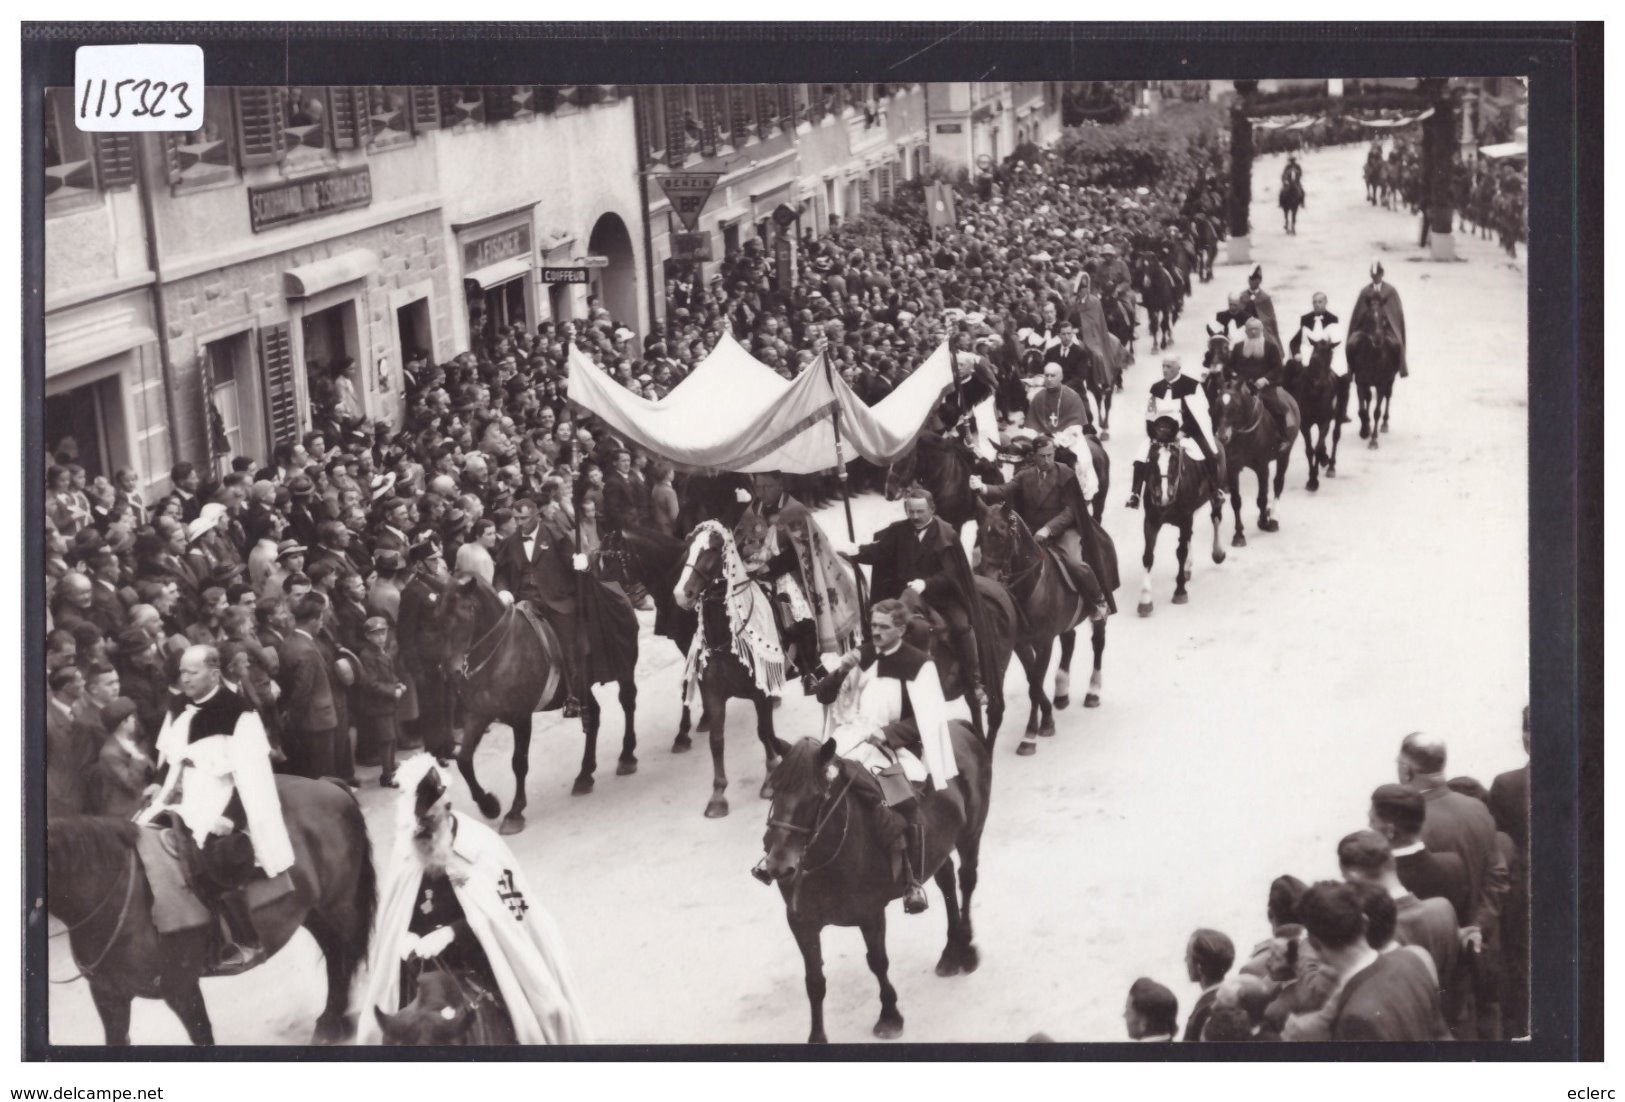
512, 896
427, 906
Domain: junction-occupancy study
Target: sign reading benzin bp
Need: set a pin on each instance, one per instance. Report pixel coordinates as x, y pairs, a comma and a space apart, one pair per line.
687, 192
298, 200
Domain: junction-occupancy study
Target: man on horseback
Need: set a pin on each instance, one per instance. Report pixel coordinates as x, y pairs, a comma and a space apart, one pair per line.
1062, 413
1231, 321
1178, 410
215, 778
1113, 271
1317, 327
815, 600
884, 709
1377, 297
1256, 303
455, 901
922, 553
1293, 172
1048, 499
1257, 362
1072, 358
537, 566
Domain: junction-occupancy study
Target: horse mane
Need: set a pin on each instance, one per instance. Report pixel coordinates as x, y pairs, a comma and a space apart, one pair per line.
801, 769
90, 841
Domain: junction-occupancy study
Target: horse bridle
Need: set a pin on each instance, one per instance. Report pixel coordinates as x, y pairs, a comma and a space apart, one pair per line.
88, 971
813, 833
505, 623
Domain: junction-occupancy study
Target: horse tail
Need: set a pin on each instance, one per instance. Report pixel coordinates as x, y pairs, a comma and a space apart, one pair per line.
351, 944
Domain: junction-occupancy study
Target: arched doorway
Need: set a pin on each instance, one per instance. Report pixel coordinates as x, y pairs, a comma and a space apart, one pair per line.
615, 285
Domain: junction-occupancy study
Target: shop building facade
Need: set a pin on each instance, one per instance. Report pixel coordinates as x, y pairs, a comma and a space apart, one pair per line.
976, 122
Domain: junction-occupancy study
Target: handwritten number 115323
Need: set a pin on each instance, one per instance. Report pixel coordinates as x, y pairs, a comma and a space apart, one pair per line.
139, 98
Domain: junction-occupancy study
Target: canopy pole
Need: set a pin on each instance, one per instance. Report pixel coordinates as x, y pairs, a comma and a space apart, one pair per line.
846, 504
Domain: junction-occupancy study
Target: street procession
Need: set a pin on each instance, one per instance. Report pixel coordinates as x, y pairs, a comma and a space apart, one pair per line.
1057, 575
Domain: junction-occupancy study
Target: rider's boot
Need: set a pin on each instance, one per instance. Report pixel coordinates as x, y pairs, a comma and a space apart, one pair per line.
914, 901
1139, 484
970, 665
244, 949
1214, 477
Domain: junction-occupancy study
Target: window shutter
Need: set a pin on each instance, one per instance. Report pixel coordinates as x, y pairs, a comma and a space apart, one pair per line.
738, 106
676, 107
342, 104
766, 108
115, 159
281, 400
172, 160
707, 96
259, 125
425, 108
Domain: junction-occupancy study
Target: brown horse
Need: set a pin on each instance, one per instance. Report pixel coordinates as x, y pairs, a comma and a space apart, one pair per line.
1252, 440
1206, 240
1291, 202
823, 851
1010, 554
1373, 353
97, 886
1188, 487
1315, 390
507, 668
943, 465
1160, 292
704, 585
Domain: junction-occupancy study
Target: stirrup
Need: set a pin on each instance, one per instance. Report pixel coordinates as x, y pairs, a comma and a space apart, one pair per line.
1133, 501
915, 901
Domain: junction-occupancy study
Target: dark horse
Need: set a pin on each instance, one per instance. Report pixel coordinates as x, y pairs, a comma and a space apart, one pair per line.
1252, 441
1315, 390
1373, 353
1159, 291
1050, 608
508, 667
449, 1007
943, 465
1121, 319
703, 584
1291, 202
1188, 487
823, 851
98, 888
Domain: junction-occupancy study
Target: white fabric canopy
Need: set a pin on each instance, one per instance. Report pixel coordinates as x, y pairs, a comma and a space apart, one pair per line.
733, 413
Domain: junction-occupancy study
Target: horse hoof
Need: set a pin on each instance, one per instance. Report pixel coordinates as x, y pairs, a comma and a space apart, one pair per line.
717, 808
682, 745
1238, 540
1218, 554
513, 824
1026, 748
948, 964
1182, 598
1062, 701
969, 959
1331, 472
1269, 524
1385, 426
1373, 445
1047, 730
626, 768
490, 806
1144, 608
1092, 700
888, 1028
1312, 486
1105, 434
817, 1039
1364, 432
582, 787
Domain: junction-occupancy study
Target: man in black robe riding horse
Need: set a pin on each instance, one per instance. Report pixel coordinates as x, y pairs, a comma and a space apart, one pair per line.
1180, 402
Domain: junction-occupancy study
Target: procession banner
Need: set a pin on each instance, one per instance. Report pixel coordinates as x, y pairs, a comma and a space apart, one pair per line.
733, 413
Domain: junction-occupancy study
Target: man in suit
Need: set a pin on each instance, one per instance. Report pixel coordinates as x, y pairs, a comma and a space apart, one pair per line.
1398, 813
1384, 996
1208, 957
1047, 498
1072, 356
1509, 805
391, 534
923, 553
538, 564
106, 606
69, 755
1365, 857
1318, 325
184, 481
75, 601
435, 698
307, 694
1457, 823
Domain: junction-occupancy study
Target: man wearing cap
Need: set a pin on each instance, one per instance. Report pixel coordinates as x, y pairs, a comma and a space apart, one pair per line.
538, 565
378, 698
301, 518
425, 583
1377, 296
1113, 271
1256, 303
218, 745
290, 559
1178, 410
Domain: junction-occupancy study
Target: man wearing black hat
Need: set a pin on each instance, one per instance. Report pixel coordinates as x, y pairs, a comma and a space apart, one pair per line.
1378, 297
432, 727
1256, 303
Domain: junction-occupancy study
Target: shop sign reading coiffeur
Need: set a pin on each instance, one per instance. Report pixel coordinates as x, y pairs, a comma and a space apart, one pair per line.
299, 200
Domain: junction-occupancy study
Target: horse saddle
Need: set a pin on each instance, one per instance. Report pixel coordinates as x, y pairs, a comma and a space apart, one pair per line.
1076, 576
172, 864
927, 631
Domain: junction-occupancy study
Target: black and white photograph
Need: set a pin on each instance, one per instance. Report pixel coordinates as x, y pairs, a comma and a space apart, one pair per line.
920, 563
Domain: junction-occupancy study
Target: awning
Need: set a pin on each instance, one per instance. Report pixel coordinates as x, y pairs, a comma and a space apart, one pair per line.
500, 272
86, 348
314, 278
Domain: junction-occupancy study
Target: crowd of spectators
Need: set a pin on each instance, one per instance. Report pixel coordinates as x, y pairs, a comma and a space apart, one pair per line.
337, 538
1424, 937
